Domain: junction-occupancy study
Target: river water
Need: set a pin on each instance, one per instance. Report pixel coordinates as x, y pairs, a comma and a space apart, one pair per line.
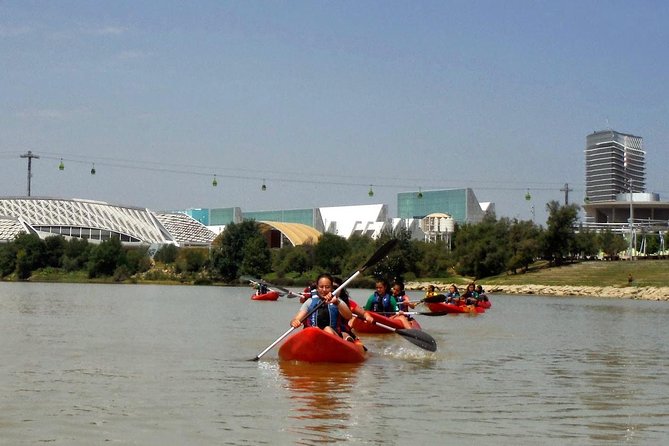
169, 365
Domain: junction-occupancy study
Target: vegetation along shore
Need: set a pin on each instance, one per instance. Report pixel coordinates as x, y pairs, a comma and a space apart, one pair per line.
505, 256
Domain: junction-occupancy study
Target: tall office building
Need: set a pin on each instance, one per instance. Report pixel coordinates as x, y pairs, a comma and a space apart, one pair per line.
614, 163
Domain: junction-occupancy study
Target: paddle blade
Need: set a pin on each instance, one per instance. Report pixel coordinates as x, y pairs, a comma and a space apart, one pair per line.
435, 299
419, 338
379, 254
434, 313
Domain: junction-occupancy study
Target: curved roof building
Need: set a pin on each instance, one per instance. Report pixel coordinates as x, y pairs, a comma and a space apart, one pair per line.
98, 221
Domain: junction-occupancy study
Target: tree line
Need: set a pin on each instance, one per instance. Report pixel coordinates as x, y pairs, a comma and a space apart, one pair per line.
491, 247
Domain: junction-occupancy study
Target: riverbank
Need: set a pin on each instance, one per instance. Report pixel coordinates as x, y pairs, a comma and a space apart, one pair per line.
623, 292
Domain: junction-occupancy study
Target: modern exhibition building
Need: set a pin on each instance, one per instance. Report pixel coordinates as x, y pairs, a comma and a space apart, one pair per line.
97, 221
429, 215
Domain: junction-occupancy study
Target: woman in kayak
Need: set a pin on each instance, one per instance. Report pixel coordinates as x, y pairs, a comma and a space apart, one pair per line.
383, 302
331, 316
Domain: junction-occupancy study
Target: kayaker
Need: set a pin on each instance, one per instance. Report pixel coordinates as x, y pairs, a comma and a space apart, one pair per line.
260, 288
383, 302
401, 297
471, 297
453, 295
331, 317
431, 291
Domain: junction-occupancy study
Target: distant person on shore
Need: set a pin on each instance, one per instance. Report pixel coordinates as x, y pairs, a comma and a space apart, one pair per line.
630, 279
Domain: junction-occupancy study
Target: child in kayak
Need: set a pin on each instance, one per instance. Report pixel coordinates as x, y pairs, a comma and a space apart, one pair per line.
453, 295
382, 302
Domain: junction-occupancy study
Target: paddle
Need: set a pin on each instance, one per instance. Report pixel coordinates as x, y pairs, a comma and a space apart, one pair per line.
292, 294
375, 258
422, 313
434, 299
281, 291
416, 337
438, 298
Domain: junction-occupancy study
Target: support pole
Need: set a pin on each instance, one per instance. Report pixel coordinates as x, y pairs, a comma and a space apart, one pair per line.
30, 155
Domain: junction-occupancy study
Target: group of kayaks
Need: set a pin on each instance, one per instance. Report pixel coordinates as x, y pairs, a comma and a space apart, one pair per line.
315, 345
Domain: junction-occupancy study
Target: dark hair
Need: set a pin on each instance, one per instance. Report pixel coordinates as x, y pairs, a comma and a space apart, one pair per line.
325, 276
343, 293
384, 282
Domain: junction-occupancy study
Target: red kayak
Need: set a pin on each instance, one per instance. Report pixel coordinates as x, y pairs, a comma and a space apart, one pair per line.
442, 307
312, 344
360, 326
484, 302
272, 295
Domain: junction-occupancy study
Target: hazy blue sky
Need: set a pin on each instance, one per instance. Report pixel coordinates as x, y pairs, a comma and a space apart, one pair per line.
321, 99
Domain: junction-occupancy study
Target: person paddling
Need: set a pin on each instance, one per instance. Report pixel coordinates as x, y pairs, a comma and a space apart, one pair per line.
383, 302
331, 316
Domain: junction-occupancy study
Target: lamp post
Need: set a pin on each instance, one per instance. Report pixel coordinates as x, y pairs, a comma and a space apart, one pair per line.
632, 244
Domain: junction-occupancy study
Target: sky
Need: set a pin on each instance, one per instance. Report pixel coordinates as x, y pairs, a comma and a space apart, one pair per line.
318, 100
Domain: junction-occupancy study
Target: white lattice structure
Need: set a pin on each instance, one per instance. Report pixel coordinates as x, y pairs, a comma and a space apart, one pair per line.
185, 230
98, 221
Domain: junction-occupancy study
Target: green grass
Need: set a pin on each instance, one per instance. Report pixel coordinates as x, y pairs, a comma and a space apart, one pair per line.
595, 273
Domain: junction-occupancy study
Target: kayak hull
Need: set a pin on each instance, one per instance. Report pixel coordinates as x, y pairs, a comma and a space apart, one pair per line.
272, 295
442, 307
312, 344
360, 326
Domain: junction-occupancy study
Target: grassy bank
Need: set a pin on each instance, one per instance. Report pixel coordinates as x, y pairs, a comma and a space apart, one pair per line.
596, 273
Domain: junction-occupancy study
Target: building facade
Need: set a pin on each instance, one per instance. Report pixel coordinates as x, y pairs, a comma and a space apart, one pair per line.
460, 204
615, 163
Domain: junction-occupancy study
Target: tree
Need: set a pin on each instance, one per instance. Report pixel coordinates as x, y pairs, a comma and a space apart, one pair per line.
401, 259
434, 259
166, 254
611, 244
585, 243
524, 245
30, 255
137, 260
7, 258
291, 259
330, 253
482, 249
191, 260
230, 248
55, 250
559, 239
257, 259
106, 257
76, 254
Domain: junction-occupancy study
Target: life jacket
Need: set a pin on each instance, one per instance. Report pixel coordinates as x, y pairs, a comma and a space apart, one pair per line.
324, 316
403, 306
383, 304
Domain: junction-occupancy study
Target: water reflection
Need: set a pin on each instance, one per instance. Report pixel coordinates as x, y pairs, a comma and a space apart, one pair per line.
321, 399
